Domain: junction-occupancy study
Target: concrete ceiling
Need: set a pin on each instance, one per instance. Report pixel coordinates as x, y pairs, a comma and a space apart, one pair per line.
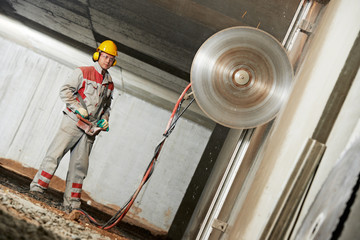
156, 39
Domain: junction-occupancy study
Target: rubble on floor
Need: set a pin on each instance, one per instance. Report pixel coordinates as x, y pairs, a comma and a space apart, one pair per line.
14, 186
24, 218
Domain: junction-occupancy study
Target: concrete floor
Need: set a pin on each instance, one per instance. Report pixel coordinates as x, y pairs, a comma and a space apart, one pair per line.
26, 216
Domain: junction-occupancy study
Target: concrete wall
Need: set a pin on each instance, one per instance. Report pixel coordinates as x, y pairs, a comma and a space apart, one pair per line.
314, 82
33, 67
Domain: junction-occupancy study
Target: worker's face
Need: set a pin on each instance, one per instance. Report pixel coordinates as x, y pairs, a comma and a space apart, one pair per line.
106, 60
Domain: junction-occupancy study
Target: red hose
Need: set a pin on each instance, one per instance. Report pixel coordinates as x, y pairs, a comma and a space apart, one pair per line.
147, 173
177, 105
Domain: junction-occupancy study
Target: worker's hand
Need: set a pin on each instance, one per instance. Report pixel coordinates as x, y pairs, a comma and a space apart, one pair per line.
82, 112
103, 124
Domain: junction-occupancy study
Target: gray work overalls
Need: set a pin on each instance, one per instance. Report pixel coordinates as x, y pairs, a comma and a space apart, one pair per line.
95, 91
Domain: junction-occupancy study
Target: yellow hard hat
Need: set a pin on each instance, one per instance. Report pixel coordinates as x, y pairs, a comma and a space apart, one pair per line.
109, 47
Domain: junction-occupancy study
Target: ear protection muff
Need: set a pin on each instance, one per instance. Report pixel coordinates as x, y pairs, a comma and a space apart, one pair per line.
96, 57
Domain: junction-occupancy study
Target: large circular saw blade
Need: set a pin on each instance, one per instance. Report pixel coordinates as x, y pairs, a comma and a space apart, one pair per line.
240, 77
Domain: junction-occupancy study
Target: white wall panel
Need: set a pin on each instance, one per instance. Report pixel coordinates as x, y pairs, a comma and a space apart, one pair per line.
30, 110
327, 53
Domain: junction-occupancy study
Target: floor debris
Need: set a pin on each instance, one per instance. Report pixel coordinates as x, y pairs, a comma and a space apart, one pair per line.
24, 215
22, 218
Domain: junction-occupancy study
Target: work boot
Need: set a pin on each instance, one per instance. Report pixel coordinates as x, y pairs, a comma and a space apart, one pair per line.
36, 189
67, 209
71, 213
37, 193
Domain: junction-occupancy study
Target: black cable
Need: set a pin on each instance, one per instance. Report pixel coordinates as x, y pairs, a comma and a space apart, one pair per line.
151, 165
172, 126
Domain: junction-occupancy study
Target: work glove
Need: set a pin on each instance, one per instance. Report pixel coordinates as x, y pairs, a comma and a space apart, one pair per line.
103, 124
82, 112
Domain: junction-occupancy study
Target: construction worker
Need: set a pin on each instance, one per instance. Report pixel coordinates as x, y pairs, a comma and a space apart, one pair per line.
88, 93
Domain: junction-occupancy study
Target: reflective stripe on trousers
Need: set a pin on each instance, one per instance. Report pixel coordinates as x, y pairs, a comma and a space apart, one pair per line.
68, 137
